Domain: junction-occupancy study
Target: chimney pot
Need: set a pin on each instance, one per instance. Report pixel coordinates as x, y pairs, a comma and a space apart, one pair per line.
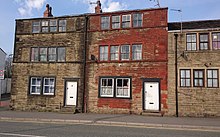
98, 8
48, 11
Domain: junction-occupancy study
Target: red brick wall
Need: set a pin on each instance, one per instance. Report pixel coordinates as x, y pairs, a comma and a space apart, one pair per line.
153, 37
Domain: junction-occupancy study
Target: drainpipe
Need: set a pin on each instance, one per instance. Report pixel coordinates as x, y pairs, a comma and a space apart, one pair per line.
84, 65
176, 75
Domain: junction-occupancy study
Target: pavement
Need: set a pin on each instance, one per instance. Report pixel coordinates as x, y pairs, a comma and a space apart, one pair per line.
205, 124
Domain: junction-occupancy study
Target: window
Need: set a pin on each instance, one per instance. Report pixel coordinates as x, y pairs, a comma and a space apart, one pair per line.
53, 25
114, 52
125, 52
137, 20
185, 78
203, 41
123, 87
62, 25
216, 40
191, 42
34, 54
48, 54
198, 78
126, 21
103, 53
36, 27
43, 54
136, 52
105, 22
107, 87
44, 26
39, 85
52, 54
35, 86
115, 22
212, 78
61, 54
48, 86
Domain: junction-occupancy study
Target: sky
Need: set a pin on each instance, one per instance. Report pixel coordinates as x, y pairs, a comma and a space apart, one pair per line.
10, 10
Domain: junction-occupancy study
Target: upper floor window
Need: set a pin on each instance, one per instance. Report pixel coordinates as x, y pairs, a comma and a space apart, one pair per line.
44, 26
136, 52
103, 53
48, 54
36, 27
216, 40
191, 42
185, 78
105, 22
203, 41
137, 20
198, 78
53, 25
212, 78
126, 21
116, 22
114, 51
62, 25
125, 52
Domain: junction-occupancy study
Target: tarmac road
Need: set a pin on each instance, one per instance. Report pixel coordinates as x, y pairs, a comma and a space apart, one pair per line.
23, 129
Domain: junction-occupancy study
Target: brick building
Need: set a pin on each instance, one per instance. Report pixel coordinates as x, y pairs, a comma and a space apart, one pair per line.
127, 62
48, 63
125, 69
198, 64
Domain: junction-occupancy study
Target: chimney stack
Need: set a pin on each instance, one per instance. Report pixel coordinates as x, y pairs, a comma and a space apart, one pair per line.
48, 11
98, 8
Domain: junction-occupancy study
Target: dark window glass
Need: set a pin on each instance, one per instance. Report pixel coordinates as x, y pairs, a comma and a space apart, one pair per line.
116, 22
198, 78
203, 41
36, 27
137, 20
105, 22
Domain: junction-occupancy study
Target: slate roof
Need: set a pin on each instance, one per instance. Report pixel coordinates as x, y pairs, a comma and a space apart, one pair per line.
194, 25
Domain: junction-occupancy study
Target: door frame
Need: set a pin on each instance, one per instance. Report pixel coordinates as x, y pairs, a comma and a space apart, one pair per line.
65, 85
143, 94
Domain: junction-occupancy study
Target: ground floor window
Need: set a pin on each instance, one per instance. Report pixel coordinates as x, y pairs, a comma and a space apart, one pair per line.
42, 85
118, 87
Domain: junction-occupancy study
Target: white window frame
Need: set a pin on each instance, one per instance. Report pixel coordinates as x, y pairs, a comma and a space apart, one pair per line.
45, 26
103, 53
212, 78
108, 87
137, 53
116, 24
123, 88
36, 85
126, 19
123, 53
50, 86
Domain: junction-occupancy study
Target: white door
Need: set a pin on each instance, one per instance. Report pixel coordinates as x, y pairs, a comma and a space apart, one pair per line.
151, 96
71, 93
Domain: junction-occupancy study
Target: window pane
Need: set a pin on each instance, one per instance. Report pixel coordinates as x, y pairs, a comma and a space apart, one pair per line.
62, 25
107, 87
103, 51
136, 52
126, 21
191, 41
35, 85
114, 52
137, 20
34, 54
115, 22
125, 52
123, 87
48, 87
105, 22
216, 40
52, 54
36, 27
43, 54
61, 54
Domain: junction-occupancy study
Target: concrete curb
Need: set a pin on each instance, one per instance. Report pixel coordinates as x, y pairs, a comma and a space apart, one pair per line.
112, 123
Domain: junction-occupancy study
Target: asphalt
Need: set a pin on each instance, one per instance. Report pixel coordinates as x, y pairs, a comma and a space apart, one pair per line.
209, 124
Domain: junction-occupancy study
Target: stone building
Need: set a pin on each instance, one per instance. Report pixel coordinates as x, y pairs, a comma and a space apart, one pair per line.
194, 88
127, 62
48, 63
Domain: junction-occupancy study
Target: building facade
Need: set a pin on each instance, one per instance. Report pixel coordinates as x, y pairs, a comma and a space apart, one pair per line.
196, 92
127, 62
48, 63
